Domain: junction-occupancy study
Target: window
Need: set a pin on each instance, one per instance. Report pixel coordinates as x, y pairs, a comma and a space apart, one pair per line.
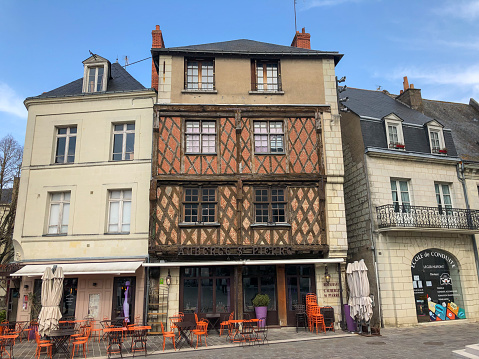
268, 137
200, 136
436, 141
95, 79
265, 76
59, 213
400, 194
199, 205
394, 136
270, 205
199, 74
123, 142
443, 198
119, 211
66, 143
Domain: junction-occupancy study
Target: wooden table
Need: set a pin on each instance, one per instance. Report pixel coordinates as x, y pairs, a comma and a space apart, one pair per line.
59, 339
184, 329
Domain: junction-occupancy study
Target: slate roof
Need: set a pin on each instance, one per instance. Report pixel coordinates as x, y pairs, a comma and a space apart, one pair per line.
120, 81
247, 47
376, 104
463, 120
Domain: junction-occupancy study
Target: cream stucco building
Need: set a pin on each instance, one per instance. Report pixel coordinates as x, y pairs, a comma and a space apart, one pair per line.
83, 198
407, 213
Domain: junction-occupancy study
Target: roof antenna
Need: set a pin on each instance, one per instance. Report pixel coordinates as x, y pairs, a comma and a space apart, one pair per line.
92, 54
295, 26
116, 59
126, 61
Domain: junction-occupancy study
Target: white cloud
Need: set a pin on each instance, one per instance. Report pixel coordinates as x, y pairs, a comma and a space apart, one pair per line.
441, 75
468, 9
11, 102
324, 3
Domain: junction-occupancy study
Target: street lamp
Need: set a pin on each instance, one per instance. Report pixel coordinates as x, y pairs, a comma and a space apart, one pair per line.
168, 278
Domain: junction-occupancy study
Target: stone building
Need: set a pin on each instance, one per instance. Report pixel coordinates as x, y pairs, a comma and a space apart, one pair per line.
247, 189
83, 197
406, 211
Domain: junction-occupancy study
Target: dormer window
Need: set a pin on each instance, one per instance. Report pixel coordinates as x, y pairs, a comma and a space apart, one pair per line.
436, 138
394, 134
96, 74
95, 79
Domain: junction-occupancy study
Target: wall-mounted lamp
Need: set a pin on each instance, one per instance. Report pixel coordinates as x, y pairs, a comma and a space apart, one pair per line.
25, 286
327, 276
168, 278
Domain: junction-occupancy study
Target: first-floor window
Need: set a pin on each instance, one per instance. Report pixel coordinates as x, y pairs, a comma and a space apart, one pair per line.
199, 205
123, 142
270, 205
66, 143
119, 211
59, 213
400, 196
443, 198
268, 137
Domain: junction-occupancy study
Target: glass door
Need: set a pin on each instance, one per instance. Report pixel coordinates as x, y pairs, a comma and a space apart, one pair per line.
299, 282
260, 279
124, 299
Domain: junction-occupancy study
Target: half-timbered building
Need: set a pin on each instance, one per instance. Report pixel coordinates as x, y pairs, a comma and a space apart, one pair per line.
247, 179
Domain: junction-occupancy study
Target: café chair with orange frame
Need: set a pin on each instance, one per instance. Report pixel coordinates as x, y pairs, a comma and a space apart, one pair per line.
318, 320
42, 344
82, 342
226, 323
201, 330
168, 335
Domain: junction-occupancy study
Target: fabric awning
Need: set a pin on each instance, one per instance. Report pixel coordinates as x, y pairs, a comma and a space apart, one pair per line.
36, 270
245, 262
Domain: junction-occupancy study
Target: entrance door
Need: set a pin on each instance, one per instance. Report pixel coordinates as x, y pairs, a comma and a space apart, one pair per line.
260, 279
299, 282
124, 298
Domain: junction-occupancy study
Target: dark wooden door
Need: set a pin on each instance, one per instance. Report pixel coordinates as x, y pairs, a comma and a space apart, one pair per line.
299, 282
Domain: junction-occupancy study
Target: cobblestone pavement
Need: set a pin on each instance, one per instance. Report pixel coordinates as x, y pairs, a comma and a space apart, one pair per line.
433, 340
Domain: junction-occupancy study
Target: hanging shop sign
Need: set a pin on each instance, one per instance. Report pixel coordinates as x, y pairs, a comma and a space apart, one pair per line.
235, 251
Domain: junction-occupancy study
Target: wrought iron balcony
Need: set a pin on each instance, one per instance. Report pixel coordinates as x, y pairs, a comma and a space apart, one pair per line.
406, 216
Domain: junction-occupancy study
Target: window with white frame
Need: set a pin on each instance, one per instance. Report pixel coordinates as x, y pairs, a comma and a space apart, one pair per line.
199, 74
268, 137
265, 75
119, 216
200, 136
59, 213
436, 140
95, 79
400, 195
394, 134
443, 198
123, 142
65, 144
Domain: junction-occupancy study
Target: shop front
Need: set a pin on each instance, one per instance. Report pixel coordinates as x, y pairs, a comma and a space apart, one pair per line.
95, 290
215, 289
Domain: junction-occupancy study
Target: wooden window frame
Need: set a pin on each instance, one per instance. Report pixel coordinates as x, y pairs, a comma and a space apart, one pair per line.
269, 134
270, 203
200, 203
124, 132
187, 85
201, 134
68, 136
255, 64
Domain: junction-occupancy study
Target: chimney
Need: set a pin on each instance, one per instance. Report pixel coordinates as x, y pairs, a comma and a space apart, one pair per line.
302, 39
411, 96
157, 43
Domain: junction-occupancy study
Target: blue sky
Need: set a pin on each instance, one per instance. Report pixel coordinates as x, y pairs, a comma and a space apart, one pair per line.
434, 43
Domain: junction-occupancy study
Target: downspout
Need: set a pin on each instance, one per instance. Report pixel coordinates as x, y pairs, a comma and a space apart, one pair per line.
462, 179
147, 291
373, 243
343, 319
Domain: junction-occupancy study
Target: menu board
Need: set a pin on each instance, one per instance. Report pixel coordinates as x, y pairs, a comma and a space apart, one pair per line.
94, 306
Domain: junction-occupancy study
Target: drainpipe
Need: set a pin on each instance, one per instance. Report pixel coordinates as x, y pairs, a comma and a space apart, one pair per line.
147, 291
343, 319
462, 179
373, 243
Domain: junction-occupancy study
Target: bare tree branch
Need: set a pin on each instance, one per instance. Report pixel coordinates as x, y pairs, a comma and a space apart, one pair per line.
10, 161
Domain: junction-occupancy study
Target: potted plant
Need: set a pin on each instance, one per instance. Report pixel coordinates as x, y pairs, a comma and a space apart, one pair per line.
260, 303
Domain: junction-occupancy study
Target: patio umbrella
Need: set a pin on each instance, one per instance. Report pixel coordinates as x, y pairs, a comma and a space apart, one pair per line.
50, 313
352, 289
57, 292
366, 310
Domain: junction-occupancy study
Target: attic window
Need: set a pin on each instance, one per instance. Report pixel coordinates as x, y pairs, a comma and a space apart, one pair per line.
436, 139
265, 76
95, 79
394, 133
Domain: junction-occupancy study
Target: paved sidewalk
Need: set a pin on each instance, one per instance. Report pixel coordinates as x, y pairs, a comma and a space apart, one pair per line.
432, 340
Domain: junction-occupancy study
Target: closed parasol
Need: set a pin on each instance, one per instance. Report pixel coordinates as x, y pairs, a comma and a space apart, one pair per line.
52, 288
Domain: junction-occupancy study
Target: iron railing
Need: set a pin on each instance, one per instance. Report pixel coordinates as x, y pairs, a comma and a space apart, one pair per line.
393, 215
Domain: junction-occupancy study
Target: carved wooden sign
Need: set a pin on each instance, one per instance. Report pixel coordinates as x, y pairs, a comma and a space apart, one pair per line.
237, 251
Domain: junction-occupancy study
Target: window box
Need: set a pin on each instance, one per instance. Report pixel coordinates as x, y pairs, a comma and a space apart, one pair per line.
443, 151
399, 146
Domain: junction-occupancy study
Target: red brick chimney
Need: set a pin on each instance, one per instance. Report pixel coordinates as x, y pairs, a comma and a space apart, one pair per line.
302, 39
157, 43
411, 96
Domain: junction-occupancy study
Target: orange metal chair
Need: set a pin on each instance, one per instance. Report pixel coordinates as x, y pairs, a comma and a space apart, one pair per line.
168, 335
201, 330
42, 344
226, 323
177, 317
318, 320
